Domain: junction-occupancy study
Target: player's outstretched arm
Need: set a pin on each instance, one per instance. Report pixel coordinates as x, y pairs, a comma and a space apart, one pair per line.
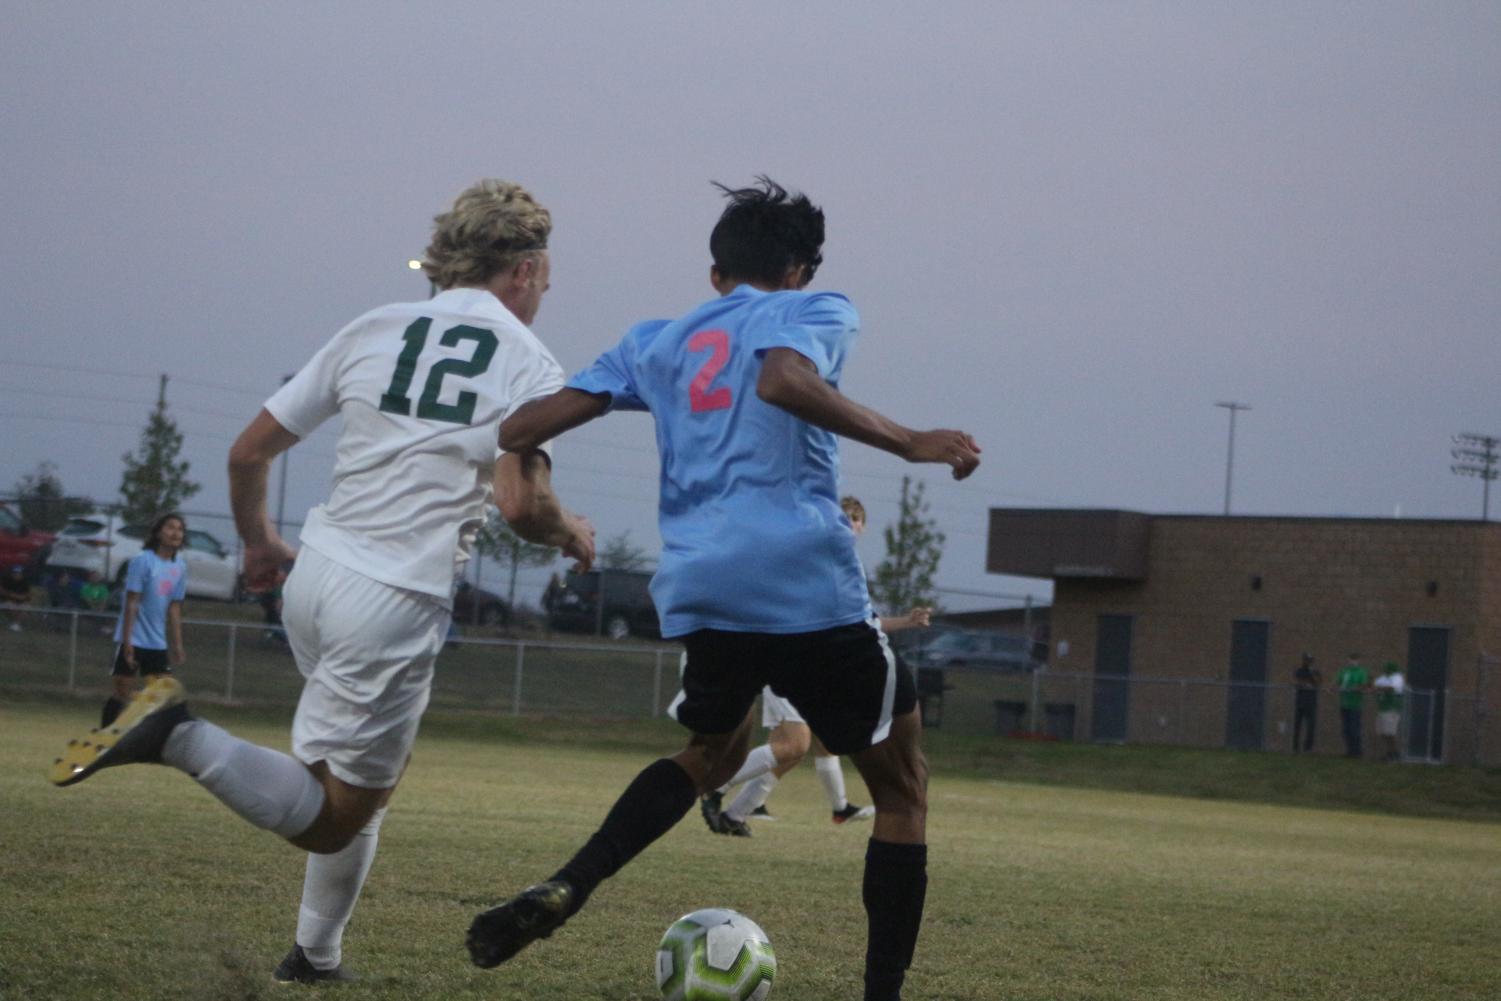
249, 469
524, 494
542, 420
790, 381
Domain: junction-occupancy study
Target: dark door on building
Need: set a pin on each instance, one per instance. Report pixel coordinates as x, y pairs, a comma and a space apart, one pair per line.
1427, 677
1112, 681
1245, 716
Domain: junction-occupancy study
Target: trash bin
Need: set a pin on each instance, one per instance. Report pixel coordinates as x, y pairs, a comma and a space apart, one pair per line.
930, 689
1059, 720
1009, 716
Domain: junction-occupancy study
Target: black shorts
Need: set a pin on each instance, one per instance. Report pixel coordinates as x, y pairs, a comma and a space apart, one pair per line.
846, 682
149, 661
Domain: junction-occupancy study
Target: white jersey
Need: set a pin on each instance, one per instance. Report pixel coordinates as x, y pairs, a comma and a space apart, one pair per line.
422, 388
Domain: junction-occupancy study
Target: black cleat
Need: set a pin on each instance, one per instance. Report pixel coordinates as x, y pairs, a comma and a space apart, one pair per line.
295, 968
536, 912
137, 736
761, 813
853, 812
710, 806
734, 828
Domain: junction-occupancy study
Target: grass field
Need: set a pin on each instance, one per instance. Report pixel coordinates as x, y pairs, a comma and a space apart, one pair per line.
136, 885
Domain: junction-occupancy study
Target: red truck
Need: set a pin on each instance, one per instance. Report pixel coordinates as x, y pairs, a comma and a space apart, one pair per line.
21, 545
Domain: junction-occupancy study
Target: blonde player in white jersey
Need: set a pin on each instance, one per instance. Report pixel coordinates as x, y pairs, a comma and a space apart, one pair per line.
422, 388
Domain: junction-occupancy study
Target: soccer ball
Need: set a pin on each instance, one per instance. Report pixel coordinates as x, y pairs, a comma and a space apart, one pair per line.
715, 955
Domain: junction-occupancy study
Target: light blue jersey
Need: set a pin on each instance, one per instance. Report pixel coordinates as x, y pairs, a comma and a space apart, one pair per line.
753, 537
159, 582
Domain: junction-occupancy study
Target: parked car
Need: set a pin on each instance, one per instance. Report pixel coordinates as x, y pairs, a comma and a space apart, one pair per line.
627, 609
104, 543
474, 606
21, 545
981, 648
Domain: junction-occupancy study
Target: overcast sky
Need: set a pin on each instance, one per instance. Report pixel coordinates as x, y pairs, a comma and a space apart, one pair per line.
1070, 229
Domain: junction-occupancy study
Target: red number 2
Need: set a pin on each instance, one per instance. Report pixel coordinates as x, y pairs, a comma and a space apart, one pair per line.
698, 391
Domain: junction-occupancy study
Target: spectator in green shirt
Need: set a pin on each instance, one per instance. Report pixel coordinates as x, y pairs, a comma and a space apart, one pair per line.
95, 592
1388, 689
1352, 682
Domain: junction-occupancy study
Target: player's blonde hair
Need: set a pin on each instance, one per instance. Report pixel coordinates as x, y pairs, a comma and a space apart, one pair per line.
852, 507
492, 225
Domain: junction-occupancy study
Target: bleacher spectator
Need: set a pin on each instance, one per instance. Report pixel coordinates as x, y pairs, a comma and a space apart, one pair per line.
15, 589
63, 590
94, 594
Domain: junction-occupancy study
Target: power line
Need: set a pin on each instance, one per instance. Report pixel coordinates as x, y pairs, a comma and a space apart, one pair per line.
127, 401
196, 432
117, 373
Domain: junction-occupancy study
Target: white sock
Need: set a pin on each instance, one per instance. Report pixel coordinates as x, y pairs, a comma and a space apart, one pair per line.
757, 762
753, 795
273, 791
831, 774
330, 889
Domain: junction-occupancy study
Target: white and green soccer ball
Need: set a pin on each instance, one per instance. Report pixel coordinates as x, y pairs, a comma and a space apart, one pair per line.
715, 955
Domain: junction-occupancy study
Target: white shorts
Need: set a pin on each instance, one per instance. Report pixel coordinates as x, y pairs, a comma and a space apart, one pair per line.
367, 651
776, 710
1388, 723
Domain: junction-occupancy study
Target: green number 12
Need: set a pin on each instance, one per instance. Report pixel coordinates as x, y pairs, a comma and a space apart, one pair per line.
395, 399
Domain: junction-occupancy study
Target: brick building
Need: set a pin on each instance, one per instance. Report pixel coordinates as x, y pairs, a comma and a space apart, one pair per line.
1186, 629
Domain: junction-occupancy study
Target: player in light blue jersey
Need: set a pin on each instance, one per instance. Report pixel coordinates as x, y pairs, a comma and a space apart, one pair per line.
148, 635
758, 575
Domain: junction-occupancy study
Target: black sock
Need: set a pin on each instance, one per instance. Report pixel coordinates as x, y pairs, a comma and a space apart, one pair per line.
651, 805
896, 883
112, 709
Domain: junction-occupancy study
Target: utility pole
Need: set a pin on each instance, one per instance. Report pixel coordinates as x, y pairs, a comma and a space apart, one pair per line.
1477, 455
1233, 407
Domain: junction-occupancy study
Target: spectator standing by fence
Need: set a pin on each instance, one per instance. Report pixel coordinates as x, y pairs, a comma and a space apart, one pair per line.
1306, 680
1389, 689
149, 632
1352, 682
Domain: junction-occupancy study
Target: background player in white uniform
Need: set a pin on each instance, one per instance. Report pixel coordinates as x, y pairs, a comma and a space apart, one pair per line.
422, 388
791, 738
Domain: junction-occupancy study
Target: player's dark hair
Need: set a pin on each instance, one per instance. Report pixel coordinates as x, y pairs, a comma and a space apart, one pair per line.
764, 232
154, 537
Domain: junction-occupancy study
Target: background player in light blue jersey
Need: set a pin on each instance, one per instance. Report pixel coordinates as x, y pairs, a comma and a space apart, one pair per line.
758, 575
148, 636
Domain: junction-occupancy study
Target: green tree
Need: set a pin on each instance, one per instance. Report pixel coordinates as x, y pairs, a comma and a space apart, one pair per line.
914, 545
155, 478
497, 541
43, 501
620, 553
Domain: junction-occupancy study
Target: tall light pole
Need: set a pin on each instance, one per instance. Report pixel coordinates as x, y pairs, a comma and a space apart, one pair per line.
1233, 407
1477, 454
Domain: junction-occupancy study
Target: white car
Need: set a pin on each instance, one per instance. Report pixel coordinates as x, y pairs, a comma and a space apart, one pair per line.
102, 542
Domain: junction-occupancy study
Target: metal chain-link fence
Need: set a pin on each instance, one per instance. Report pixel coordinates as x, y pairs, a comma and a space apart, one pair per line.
248, 662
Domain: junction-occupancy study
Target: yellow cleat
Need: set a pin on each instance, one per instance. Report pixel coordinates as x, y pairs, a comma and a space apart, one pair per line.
136, 736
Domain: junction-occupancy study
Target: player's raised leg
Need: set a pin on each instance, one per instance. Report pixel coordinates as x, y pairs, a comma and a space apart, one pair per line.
660, 796
716, 694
